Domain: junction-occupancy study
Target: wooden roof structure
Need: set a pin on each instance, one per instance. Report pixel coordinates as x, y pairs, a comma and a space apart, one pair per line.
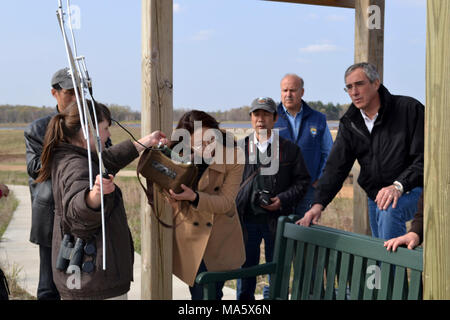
157, 110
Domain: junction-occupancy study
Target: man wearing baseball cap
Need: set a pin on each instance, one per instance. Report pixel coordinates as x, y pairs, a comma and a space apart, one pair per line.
266, 194
42, 208
62, 88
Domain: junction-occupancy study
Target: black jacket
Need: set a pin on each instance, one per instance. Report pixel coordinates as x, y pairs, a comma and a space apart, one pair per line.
290, 183
42, 204
417, 222
392, 152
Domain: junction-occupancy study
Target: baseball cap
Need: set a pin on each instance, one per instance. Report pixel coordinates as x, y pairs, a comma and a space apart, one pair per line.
263, 103
63, 78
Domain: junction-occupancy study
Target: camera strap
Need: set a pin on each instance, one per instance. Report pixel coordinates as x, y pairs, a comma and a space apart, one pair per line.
250, 178
149, 193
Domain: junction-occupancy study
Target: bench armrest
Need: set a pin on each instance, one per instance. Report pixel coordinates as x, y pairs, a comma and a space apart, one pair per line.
212, 277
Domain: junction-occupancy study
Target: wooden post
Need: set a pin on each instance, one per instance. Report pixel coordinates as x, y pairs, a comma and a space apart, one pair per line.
369, 33
437, 153
369, 44
157, 114
360, 220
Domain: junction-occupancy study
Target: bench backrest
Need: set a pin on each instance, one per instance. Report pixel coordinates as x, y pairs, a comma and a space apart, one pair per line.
325, 263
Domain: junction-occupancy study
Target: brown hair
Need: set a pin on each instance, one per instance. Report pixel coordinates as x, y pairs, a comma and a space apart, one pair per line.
64, 127
187, 122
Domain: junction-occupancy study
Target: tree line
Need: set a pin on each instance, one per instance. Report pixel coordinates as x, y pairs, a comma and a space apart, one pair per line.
332, 112
27, 114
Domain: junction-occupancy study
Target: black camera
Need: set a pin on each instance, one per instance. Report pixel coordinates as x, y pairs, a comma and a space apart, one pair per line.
262, 191
262, 198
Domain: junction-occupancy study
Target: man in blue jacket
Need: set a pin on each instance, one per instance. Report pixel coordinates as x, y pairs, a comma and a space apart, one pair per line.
305, 127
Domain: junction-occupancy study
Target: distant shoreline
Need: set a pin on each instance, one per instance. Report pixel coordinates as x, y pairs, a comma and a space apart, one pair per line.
332, 124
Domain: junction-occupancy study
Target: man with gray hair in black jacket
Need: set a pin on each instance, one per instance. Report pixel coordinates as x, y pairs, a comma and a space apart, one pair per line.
385, 133
42, 204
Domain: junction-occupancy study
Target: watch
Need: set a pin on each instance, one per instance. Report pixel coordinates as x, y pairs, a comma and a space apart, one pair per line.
398, 186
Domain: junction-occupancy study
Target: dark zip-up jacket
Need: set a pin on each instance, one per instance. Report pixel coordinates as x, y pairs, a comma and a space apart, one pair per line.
290, 182
417, 222
42, 204
392, 152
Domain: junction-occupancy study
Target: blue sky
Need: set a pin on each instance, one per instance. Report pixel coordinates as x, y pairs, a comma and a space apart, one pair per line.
226, 52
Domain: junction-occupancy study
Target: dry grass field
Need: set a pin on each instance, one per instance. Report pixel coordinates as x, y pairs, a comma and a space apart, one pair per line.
12, 146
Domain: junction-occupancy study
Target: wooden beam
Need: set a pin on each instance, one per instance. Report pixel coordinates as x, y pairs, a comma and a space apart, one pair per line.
437, 153
360, 207
157, 114
369, 40
369, 46
330, 3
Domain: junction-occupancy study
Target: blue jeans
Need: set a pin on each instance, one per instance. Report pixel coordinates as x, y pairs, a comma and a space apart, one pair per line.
197, 289
391, 223
306, 202
256, 232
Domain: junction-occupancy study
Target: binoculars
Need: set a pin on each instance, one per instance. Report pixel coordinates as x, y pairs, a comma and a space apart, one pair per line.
71, 254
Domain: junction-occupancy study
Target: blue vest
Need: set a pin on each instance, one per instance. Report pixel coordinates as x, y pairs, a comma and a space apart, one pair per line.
309, 140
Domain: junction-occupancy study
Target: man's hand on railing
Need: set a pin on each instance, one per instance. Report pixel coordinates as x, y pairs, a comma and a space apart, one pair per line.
411, 239
312, 215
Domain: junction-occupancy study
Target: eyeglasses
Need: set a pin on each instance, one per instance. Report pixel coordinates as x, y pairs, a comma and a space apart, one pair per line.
358, 84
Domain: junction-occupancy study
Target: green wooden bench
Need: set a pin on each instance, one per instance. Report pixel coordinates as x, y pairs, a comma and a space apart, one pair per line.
324, 263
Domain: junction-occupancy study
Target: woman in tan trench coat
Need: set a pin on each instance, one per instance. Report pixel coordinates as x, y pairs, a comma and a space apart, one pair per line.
207, 234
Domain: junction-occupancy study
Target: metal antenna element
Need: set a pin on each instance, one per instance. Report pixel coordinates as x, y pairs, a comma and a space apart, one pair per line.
82, 84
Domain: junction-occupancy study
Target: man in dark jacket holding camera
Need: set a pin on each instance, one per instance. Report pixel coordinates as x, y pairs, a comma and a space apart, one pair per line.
275, 179
385, 133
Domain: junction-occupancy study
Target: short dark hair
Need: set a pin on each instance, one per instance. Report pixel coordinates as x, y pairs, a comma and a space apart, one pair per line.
274, 114
57, 87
